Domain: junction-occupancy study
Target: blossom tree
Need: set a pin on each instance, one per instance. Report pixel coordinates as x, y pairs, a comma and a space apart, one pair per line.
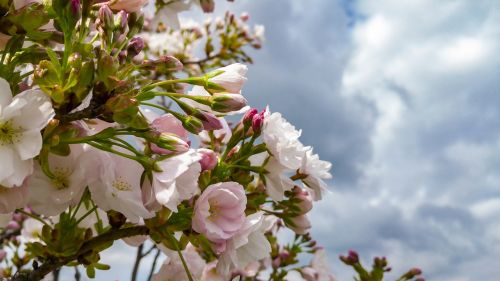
118, 126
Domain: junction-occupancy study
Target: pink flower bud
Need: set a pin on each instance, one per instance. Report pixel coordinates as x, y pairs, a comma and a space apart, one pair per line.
231, 77
3, 254
106, 16
208, 159
18, 217
301, 224
207, 5
309, 274
306, 201
135, 46
171, 143
247, 118
209, 120
12, 225
244, 16
257, 122
226, 102
128, 5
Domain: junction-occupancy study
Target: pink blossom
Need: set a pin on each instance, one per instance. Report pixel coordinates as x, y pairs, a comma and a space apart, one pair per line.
12, 198
301, 224
208, 159
167, 123
306, 202
130, 6
220, 211
210, 273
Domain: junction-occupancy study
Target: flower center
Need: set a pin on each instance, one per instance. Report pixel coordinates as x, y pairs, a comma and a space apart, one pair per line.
121, 185
61, 178
214, 209
9, 134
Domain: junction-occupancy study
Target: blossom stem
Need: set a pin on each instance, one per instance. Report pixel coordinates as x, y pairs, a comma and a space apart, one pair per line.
32, 216
86, 215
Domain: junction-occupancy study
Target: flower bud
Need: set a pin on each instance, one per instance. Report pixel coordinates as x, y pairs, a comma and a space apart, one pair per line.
208, 159
75, 7
306, 202
414, 272
244, 16
207, 5
257, 122
247, 118
209, 120
171, 63
301, 224
12, 225
3, 254
192, 124
121, 21
352, 258
309, 274
226, 102
106, 16
170, 142
135, 47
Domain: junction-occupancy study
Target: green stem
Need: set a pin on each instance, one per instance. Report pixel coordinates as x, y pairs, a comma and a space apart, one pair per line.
32, 216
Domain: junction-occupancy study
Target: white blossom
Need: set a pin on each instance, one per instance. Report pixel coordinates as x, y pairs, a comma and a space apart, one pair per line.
21, 120
51, 196
282, 140
178, 180
248, 245
316, 170
117, 184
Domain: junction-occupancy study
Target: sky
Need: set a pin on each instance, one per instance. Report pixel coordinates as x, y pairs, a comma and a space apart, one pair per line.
403, 98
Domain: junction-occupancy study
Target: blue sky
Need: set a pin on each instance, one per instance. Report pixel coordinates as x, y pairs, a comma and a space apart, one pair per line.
403, 98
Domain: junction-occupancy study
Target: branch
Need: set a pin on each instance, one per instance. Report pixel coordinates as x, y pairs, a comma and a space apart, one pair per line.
138, 259
153, 265
52, 263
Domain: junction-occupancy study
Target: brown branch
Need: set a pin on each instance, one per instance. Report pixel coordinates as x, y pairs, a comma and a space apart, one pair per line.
153, 265
52, 263
138, 259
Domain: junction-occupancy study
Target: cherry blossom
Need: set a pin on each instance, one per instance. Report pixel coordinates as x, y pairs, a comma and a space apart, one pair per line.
220, 211
117, 185
51, 196
21, 120
248, 245
178, 180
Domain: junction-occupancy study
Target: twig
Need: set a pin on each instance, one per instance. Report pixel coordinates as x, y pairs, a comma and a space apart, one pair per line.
53, 263
138, 258
77, 274
153, 266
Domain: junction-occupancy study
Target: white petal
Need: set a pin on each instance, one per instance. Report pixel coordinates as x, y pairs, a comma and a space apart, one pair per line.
5, 94
36, 112
29, 145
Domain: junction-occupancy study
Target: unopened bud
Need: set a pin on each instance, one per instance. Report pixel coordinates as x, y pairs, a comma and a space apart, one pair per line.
257, 122
170, 142
75, 7
226, 102
414, 272
12, 225
247, 118
208, 159
171, 63
116, 219
207, 5
306, 202
244, 16
106, 17
135, 47
192, 124
209, 120
121, 21
352, 258
301, 224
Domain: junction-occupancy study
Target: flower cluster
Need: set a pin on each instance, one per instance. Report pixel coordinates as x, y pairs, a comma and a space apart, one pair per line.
111, 128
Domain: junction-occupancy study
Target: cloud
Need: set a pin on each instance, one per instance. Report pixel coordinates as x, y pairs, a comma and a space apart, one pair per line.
428, 196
